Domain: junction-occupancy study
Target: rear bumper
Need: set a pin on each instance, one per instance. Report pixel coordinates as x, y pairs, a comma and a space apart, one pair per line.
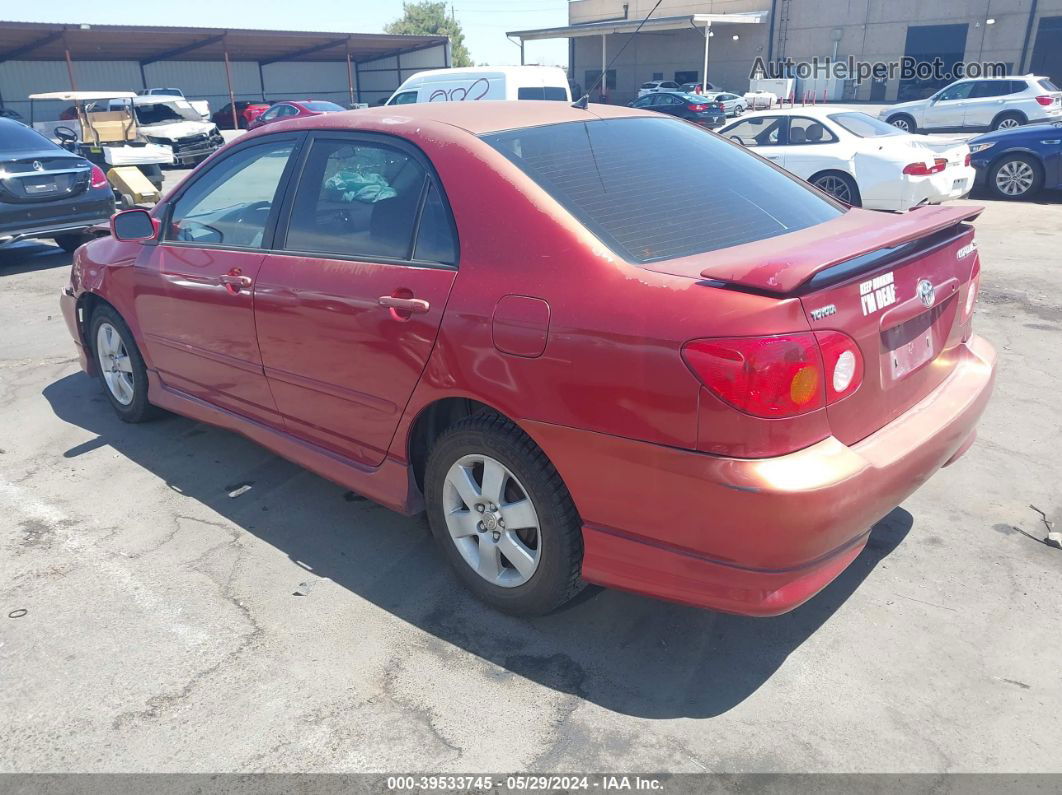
10, 236
952, 183
760, 536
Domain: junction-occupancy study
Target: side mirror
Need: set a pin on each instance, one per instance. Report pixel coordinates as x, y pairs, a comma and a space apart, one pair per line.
131, 226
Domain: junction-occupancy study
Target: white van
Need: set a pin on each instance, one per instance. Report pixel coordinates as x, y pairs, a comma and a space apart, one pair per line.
473, 83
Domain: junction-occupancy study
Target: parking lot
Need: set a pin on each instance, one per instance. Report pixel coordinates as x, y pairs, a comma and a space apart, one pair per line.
149, 621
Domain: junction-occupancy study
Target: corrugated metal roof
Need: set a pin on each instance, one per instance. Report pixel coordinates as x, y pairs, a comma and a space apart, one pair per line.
43, 41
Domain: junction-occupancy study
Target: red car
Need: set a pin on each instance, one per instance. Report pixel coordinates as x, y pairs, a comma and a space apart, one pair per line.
246, 113
702, 383
295, 109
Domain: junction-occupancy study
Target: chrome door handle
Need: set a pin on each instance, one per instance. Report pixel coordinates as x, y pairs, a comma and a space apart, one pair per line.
418, 305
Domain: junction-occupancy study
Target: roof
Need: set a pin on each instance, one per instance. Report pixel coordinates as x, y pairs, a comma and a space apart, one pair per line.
477, 118
43, 41
648, 25
83, 96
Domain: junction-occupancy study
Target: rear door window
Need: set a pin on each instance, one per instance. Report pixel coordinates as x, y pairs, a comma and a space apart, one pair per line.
530, 92
803, 130
556, 93
360, 200
619, 178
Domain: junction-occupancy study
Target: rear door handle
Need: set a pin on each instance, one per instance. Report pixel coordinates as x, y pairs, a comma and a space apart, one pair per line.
417, 305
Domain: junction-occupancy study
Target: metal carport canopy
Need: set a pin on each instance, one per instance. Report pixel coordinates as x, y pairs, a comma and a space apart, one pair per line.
39, 41
630, 25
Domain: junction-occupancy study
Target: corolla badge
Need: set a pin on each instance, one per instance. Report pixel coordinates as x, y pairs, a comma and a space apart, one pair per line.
38, 165
926, 293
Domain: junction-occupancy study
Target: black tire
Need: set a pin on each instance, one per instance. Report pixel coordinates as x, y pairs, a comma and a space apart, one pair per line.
138, 409
556, 580
823, 178
1013, 161
903, 119
69, 243
1007, 117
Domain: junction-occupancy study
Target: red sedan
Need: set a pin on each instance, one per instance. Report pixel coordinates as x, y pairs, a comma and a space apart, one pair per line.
702, 383
295, 109
246, 113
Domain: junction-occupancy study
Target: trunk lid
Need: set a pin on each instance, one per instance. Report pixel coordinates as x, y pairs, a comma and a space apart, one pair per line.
37, 177
865, 273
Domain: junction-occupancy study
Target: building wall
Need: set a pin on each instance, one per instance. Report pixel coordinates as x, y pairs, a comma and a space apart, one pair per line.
206, 79
868, 30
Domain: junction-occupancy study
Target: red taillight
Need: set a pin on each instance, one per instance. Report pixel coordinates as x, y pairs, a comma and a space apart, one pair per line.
922, 170
771, 377
1045, 101
842, 362
966, 162
778, 376
697, 108
98, 179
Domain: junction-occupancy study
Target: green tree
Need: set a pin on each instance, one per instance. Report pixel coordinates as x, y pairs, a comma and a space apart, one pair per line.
429, 18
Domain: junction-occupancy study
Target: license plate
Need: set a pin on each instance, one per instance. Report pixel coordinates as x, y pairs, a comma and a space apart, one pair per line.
958, 184
912, 355
40, 187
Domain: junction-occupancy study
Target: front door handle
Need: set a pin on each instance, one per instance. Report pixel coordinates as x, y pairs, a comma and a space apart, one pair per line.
234, 281
417, 305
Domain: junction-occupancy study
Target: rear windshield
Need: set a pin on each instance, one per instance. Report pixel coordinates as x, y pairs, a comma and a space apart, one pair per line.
321, 106
541, 92
865, 126
1047, 85
15, 137
654, 189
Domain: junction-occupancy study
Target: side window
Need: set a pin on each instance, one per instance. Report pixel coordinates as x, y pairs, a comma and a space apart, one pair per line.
270, 114
555, 93
644, 102
990, 88
756, 131
356, 200
230, 204
803, 130
286, 110
957, 91
435, 236
405, 98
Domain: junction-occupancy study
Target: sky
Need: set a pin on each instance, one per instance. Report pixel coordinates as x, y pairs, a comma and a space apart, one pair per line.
484, 21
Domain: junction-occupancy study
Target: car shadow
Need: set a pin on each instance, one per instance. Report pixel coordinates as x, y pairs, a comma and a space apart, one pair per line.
627, 653
1048, 197
26, 257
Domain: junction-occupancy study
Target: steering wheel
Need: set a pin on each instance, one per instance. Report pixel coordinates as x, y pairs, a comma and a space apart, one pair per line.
187, 231
738, 140
66, 136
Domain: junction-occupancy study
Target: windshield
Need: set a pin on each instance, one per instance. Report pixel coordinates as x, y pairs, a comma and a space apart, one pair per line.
865, 126
619, 179
16, 137
165, 112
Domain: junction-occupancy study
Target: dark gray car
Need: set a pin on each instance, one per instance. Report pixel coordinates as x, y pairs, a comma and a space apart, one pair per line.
46, 191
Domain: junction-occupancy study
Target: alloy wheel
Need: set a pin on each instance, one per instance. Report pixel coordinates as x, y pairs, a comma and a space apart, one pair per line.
1008, 124
1015, 178
115, 365
901, 124
492, 521
836, 187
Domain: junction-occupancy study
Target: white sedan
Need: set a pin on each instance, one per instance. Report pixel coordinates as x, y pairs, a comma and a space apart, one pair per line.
859, 159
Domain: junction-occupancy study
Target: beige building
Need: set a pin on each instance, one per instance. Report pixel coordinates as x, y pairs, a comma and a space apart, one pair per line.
1024, 35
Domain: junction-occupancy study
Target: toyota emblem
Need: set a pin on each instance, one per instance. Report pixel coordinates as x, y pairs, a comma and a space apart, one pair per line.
38, 165
926, 293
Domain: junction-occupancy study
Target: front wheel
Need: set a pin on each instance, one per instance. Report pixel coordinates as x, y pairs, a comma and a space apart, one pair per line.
1015, 177
503, 517
120, 365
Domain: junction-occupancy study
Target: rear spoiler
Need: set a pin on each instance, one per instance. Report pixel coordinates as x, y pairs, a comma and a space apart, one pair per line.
782, 264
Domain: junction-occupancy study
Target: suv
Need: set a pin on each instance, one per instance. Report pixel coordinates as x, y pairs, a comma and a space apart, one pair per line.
991, 103
657, 85
46, 191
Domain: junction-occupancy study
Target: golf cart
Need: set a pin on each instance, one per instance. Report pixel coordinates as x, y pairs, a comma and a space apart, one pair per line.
106, 133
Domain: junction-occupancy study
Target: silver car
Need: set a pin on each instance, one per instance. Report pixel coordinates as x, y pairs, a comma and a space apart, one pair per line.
733, 105
991, 103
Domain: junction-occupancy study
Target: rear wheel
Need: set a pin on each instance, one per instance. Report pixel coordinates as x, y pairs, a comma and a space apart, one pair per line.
841, 186
120, 365
1008, 121
1015, 177
503, 517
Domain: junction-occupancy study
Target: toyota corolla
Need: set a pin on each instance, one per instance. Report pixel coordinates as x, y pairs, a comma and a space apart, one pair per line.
702, 383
